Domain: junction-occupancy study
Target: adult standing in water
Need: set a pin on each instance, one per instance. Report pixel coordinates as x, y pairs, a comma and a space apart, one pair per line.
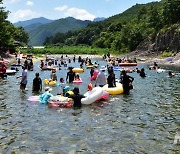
37, 84
70, 75
111, 80
42, 64
126, 81
24, 81
74, 58
101, 78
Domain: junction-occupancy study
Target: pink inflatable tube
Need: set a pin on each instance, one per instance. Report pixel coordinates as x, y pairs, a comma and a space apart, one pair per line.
33, 99
94, 75
104, 96
77, 81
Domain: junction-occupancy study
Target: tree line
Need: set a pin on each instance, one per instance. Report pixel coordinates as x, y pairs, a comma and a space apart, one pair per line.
125, 31
10, 36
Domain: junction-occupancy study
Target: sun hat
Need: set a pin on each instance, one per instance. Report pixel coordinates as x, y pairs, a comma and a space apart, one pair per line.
66, 88
48, 89
103, 68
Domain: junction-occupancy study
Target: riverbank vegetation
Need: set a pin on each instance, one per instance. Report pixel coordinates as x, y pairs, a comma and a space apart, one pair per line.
80, 49
10, 36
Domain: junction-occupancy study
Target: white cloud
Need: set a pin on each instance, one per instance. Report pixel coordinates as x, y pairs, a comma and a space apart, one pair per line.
24, 15
11, 1
61, 8
79, 14
29, 3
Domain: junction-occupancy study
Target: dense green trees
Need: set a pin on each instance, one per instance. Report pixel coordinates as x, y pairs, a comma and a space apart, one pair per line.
125, 31
9, 33
171, 11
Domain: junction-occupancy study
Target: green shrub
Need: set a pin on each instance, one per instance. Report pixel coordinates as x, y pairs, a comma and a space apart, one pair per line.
167, 53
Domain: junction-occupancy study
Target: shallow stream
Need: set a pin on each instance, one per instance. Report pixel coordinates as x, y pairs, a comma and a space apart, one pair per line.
145, 121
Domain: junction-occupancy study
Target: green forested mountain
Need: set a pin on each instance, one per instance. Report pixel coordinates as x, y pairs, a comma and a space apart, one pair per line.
40, 20
124, 32
37, 35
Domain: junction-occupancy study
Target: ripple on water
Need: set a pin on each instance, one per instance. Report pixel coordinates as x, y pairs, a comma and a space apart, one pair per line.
145, 121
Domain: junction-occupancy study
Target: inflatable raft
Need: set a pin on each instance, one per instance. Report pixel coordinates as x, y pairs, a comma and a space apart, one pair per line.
34, 99
104, 96
114, 90
127, 64
59, 101
92, 96
10, 72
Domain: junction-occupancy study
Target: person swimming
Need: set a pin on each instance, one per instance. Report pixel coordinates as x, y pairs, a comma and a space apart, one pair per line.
142, 73
171, 74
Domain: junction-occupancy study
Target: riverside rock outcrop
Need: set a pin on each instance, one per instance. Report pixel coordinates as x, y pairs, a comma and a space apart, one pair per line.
168, 40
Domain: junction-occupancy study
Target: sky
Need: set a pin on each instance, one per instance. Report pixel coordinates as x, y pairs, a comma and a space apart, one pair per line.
21, 10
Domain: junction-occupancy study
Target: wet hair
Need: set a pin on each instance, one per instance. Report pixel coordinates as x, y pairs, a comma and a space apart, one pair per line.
77, 75
70, 68
61, 79
76, 90
142, 69
123, 72
37, 74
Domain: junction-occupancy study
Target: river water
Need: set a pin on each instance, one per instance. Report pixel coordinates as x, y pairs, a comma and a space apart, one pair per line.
145, 121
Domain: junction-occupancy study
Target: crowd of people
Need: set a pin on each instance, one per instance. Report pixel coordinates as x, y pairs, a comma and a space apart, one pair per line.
101, 79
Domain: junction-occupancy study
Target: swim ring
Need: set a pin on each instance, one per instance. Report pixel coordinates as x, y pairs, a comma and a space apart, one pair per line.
92, 96
78, 81
34, 99
114, 90
51, 83
78, 70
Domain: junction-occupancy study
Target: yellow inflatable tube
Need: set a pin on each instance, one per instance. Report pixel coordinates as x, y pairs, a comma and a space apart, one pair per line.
78, 70
115, 90
51, 83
